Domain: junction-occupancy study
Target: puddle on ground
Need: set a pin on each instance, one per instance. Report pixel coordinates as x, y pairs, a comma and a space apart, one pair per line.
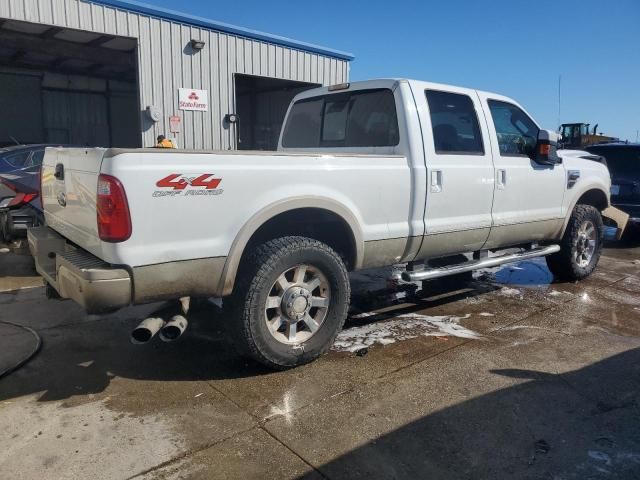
376, 288
529, 273
401, 327
379, 288
387, 280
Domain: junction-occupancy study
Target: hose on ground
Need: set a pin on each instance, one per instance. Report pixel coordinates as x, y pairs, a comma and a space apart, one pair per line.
32, 354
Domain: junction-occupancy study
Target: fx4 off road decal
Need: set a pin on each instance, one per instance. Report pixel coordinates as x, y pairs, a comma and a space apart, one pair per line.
187, 184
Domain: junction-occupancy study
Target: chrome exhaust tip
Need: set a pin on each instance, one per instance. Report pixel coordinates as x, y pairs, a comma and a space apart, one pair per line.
174, 328
146, 330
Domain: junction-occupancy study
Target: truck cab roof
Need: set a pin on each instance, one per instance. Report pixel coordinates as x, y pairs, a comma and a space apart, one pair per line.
302, 131
390, 83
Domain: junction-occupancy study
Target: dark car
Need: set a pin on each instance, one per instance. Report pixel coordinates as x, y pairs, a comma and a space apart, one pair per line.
20, 169
20, 156
20, 203
623, 160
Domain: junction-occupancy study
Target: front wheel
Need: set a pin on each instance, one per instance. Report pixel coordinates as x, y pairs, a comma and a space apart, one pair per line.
581, 245
290, 302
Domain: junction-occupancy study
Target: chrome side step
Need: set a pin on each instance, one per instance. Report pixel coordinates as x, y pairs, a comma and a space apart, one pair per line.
431, 273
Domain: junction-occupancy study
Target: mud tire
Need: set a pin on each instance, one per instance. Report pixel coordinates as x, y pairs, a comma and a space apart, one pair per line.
563, 264
256, 277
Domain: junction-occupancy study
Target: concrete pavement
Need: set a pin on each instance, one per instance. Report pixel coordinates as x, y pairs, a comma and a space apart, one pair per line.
507, 376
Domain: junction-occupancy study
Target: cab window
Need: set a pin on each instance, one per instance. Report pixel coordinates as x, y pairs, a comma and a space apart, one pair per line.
516, 132
361, 118
454, 123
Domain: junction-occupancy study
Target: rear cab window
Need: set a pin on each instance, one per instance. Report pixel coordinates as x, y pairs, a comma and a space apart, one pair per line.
359, 118
454, 123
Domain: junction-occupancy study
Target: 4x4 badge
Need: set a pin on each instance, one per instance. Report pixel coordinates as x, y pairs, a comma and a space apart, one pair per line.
178, 181
181, 184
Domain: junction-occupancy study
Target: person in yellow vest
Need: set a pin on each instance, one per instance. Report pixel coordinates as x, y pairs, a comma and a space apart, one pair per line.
164, 142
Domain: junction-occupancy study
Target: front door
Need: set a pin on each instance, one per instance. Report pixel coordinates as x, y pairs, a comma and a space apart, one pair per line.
528, 197
460, 171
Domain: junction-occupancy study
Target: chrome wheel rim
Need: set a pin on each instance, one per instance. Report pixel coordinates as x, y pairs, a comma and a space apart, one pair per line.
585, 244
297, 304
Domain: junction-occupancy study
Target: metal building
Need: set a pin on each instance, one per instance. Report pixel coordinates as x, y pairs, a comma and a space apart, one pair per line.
119, 73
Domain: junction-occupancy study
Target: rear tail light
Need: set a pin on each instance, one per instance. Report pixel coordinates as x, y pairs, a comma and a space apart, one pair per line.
21, 198
114, 220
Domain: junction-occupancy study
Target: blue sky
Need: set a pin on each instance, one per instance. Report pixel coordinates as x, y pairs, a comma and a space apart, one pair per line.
507, 46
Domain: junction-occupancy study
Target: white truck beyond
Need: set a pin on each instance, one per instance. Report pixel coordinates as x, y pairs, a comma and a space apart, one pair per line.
366, 174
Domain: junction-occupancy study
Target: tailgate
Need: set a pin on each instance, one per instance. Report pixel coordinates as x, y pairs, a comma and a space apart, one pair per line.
69, 188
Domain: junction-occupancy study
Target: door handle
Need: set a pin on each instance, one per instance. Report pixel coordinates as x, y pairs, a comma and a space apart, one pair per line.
436, 181
501, 178
59, 174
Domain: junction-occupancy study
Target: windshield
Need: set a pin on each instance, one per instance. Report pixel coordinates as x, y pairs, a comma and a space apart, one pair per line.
18, 159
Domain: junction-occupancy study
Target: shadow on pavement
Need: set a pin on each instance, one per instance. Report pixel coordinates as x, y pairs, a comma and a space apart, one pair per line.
576, 425
83, 357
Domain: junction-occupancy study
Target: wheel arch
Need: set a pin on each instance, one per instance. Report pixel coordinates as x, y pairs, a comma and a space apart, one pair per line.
593, 196
279, 214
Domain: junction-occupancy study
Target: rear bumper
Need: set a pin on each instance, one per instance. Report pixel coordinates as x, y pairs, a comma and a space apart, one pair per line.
78, 275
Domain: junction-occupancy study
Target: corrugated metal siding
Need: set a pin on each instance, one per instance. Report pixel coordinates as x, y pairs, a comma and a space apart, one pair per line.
164, 66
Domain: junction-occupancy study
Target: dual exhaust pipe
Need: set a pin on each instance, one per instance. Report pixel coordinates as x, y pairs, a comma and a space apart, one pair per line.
168, 330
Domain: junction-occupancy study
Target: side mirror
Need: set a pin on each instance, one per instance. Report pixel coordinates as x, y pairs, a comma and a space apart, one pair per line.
546, 149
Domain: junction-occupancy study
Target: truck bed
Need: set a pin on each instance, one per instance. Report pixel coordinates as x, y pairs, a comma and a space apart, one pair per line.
192, 204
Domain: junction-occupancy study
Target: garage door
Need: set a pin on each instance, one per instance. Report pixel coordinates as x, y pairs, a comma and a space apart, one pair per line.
20, 103
76, 118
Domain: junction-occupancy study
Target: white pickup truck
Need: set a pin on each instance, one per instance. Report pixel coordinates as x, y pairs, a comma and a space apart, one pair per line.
366, 174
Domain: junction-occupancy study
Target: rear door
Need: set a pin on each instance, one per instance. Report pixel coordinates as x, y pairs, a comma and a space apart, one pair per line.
460, 170
528, 196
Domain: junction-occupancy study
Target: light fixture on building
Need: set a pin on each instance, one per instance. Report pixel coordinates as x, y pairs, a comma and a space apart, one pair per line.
197, 44
154, 113
232, 118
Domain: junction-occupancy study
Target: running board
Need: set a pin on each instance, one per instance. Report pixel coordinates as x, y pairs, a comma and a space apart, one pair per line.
431, 273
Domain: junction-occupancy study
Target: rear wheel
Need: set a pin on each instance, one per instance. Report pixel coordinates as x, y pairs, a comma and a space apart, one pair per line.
290, 302
581, 245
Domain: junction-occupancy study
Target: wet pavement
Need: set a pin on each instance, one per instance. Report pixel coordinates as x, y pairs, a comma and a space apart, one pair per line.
506, 375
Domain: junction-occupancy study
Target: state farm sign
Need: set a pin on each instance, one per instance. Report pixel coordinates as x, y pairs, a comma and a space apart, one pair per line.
192, 99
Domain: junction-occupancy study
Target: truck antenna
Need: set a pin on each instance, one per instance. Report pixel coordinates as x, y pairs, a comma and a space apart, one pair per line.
559, 95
